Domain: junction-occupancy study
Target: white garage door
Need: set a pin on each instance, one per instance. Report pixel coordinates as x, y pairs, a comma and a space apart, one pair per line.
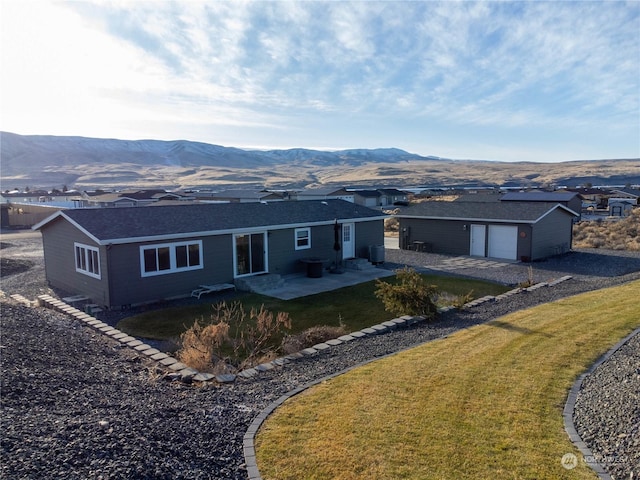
503, 242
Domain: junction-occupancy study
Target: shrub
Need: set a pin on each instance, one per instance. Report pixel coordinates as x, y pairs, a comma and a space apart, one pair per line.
410, 296
232, 337
310, 337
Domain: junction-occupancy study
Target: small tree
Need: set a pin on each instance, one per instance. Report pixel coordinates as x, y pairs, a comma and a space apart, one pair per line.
410, 296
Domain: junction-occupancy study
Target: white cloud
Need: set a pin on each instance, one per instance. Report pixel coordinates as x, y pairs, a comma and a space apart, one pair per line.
249, 64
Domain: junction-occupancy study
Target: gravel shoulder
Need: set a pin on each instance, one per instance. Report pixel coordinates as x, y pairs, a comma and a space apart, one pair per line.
76, 405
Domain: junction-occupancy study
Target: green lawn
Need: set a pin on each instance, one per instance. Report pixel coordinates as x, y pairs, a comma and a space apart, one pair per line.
356, 307
484, 403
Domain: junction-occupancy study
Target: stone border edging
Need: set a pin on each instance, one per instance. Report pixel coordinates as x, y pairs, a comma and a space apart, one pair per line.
570, 404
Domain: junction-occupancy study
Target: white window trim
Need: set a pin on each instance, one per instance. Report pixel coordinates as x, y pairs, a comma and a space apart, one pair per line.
85, 251
172, 258
295, 238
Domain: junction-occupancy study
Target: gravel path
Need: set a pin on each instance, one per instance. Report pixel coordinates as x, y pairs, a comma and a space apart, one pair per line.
76, 405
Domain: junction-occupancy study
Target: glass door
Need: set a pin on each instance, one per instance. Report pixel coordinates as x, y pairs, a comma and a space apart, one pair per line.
250, 253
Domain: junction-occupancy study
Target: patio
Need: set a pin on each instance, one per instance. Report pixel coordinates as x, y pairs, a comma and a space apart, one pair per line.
300, 285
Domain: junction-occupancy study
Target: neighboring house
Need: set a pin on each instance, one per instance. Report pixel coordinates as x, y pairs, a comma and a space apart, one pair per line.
130, 198
571, 200
627, 194
243, 196
323, 194
509, 230
392, 196
592, 197
127, 256
620, 207
368, 198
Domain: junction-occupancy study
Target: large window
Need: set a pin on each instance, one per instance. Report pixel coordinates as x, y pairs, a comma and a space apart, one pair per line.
170, 258
303, 238
87, 260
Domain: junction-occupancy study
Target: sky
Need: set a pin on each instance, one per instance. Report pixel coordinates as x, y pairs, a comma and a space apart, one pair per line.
506, 81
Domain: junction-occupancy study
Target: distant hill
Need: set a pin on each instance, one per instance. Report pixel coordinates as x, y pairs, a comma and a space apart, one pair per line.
42, 161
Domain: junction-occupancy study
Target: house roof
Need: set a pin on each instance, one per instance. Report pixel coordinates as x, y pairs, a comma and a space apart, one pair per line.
246, 194
323, 191
368, 193
539, 196
137, 224
502, 212
632, 192
391, 191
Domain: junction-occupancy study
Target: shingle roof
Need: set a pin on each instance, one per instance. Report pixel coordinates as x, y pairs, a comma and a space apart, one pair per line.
538, 196
122, 225
514, 212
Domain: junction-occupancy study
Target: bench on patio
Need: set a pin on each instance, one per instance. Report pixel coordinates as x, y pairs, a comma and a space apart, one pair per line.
204, 289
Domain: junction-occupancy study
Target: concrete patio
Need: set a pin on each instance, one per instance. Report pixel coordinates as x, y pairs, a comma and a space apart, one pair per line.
299, 285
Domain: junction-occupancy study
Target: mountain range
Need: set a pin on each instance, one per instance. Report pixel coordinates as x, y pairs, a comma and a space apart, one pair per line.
44, 161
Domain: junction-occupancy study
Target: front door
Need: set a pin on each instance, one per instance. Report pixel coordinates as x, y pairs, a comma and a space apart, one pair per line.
348, 240
478, 240
250, 251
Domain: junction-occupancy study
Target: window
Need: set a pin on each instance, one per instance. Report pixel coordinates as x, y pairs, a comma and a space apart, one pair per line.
303, 238
87, 260
170, 258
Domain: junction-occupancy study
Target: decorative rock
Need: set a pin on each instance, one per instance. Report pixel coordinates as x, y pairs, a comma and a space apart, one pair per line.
177, 366
346, 338
223, 378
399, 321
203, 377
263, 367
294, 356
379, 328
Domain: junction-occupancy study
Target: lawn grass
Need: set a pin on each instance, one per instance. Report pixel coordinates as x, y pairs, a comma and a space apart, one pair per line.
484, 403
356, 307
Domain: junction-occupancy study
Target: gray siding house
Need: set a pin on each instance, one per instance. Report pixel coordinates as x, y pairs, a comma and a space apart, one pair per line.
510, 230
128, 256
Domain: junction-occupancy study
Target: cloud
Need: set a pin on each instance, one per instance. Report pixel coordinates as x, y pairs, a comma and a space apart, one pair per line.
255, 64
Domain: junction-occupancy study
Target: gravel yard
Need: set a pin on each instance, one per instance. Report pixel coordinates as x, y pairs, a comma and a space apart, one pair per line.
77, 405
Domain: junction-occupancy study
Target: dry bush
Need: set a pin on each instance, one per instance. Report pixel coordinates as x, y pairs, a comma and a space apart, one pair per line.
610, 234
201, 345
232, 338
310, 337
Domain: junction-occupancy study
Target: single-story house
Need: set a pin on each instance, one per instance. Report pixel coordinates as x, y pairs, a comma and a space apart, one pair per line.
127, 256
243, 196
130, 198
392, 196
323, 194
368, 198
523, 231
620, 207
